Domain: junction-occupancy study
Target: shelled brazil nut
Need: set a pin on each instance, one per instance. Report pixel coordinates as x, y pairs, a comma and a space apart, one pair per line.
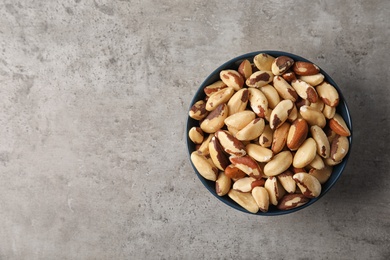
268, 133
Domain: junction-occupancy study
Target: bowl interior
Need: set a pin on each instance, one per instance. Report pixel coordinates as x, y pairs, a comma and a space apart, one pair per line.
342, 109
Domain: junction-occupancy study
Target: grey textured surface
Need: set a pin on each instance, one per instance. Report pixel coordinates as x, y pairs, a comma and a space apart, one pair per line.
93, 105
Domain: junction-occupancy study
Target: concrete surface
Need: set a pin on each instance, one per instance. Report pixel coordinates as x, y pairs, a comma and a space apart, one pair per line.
93, 104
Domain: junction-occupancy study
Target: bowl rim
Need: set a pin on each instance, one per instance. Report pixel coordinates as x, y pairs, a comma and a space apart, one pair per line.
235, 61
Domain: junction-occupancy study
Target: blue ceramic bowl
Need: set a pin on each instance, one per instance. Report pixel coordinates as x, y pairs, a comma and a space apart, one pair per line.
342, 109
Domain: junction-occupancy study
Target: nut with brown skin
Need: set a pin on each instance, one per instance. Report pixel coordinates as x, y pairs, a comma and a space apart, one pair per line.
329, 111
248, 165
222, 184
234, 173
278, 164
252, 130
281, 64
238, 101
293, 114
259, 79
313, 80
245, 200
240, 119
271, 94
232, 79
215, 120
258, 102
317, 163
303, 68
330, 162
280, 113
289, 76
338, 125
312, 116
285, 90
196, 135
219, 97
263, 61
245, 69
305, 153
230, 144
198, 110
339, 148
297, 134
204, 166
259, 153
328, 94
287, 181
245, 184
319, 105
305, 90
322, 175
265, 139
291, 201
280, 137
275, 190
308, 184
212, 88
217, 154
260, 194
203, 149
322, 142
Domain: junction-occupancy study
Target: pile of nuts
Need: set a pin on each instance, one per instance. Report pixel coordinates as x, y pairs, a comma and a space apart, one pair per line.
269, 133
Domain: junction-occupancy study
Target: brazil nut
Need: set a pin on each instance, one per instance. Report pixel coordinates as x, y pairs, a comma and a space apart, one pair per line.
312, 116
297, 134
245, 200
215, 87
217, 154
232, 79
219, 97
215, 120
240, 119
313, 80
280, 113
263, 61
339, 148
248, 165
198, 111
305, 90
230, 144
259, 79
252, 130
260, 194
338, 125
322, 142
278, 164
245, 69
258, 102
204, 166
304, 68
285, 90
196, 135
305, 153
281, 64
275, 190
222, 184
328, 94
287, 181
291, 201
238, 101
308, 184
259, 153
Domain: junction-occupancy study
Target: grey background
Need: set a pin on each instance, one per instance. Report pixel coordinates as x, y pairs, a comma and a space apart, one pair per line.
93, 104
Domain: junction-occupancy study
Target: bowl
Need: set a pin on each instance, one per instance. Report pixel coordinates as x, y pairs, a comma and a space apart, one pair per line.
342, 109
